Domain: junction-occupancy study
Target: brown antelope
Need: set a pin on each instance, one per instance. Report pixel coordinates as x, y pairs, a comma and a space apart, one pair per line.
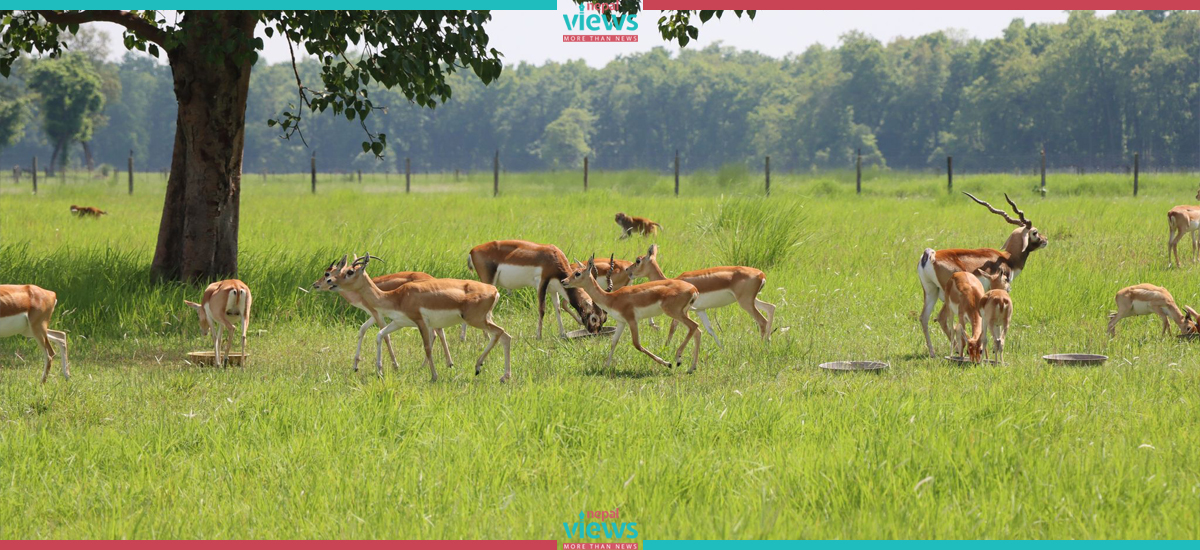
428, 305
937, 266
630, 224
718, 287
630, 304
996, 315
603, 269
518, 264
82, 211
25, 310
385, 283
997, 280
221, 301
1146, 299
964, 295
1182, 220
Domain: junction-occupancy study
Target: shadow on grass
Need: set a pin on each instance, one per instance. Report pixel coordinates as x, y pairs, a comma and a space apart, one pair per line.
632, 374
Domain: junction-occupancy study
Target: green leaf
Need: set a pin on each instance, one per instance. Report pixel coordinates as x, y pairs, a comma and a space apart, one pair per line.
366, 146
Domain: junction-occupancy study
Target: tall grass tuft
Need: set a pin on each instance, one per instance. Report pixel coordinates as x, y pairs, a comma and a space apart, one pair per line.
757, 233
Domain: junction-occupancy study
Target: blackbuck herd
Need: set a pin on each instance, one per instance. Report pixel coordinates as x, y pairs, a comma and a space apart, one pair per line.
973, 285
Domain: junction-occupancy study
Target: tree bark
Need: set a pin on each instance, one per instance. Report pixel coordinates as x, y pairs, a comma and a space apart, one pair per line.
87, 155
198, 235
59, 146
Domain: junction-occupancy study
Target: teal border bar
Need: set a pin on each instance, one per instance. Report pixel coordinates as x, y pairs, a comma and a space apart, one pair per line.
542, 5
910, 544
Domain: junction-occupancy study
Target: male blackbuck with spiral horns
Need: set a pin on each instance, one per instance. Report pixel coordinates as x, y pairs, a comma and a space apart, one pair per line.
428, 305
25, 310
717, 287
937, 266
1182, 220
518, 264
221, 301
630, 304
1147, 299
385, 283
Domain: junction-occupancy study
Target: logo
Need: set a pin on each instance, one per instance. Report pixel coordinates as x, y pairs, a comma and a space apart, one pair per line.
600, 525
598, 27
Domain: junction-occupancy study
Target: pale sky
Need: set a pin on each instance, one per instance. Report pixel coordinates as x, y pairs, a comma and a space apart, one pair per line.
536, 36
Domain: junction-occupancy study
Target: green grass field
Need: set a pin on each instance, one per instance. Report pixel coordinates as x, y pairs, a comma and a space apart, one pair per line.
758, 443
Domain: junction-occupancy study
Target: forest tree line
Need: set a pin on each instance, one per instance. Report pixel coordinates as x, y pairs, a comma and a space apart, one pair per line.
1092, 91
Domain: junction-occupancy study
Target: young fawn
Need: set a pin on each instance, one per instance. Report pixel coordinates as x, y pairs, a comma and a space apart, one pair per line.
223, 300
996, 314
965, 298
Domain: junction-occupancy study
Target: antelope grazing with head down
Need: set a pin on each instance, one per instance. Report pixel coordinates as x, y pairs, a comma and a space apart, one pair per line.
518, 264
221, 301
428, 305
630, 304
25, 310
1146, 299
1182, 220
717, 287
385, 283
937, 266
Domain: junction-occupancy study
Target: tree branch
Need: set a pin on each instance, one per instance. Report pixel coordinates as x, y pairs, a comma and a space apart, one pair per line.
140, 27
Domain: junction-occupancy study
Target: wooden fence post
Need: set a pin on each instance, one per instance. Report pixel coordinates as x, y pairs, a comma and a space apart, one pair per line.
677, 172
407, 174
496, 175
858, 172
35, 174
950, 174
131, 171
1135, 173
313, 167
360, 175
585, 170
1043, 170
768, 170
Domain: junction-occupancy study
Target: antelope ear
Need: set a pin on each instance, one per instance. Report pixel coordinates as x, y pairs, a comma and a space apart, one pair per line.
342, 263
653, 251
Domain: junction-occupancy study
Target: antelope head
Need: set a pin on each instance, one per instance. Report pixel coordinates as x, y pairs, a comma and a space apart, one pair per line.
324, 283
1025, 238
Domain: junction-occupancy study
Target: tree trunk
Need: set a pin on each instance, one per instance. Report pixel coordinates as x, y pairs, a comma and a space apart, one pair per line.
87, 155
58, 147
198, 235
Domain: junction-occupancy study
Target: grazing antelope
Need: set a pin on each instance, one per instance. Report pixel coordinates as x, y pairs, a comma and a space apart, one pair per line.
1182, 220
996, 280
630, 304
385, 283
1146, 299
718, 287
630, 224
964, 293
221, 301
518, 264
82, 211
997, 315
25, 310
428, 305
937, 266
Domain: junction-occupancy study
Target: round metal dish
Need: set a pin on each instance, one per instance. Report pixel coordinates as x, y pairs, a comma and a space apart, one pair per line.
1078, 359
958, 359
583, 333
854, 365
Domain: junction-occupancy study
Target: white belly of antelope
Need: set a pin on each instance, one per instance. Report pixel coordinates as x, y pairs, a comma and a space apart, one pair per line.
441, 318
15, 325
646, 312
398, 317
1143, 308
518, 276
714, 299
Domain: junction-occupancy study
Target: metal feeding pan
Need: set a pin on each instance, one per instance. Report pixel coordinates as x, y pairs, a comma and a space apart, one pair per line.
1070, 359
959, 359
208, 358
583, 333
854, 365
